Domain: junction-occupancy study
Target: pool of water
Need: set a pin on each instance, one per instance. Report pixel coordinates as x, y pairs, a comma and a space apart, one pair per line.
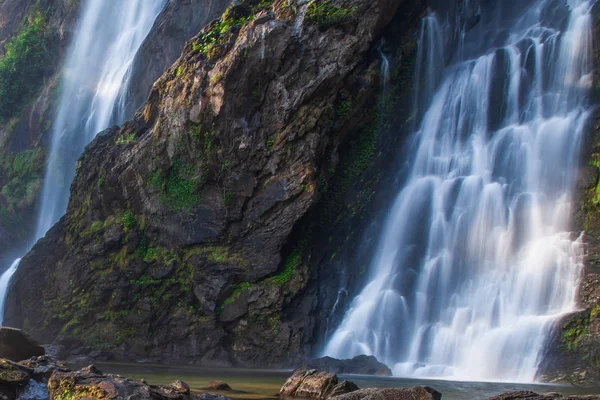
265, 384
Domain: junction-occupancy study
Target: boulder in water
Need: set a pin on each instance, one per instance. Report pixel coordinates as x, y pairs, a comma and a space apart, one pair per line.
314, 384
15, 345
218, 385
411, 393
364, 365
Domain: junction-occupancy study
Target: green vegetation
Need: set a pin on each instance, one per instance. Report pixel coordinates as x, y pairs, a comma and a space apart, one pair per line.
220, 32
126, 138
23, 65
128, 221
326, 14
22, 171
574, 333
237, 292
289, 269
220, 255
178, 187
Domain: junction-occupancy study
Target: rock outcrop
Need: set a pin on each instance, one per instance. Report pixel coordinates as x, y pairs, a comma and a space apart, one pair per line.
179, 231
91, 383
218, 385
411, 393
364, 365
309, 383
15, 345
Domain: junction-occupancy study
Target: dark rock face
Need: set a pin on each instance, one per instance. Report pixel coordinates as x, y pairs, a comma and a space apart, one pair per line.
178, 234
92, 383
534, 396
315, 384
15, 345
412, 393
365, 365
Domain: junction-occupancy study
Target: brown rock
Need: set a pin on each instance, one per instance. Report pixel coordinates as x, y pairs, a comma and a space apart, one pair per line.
218, 385
90, 383
309, 383
16, 345
411, 393
343, 388
180, 387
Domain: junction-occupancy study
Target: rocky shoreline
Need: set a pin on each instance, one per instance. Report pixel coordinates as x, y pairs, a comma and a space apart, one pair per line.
42, 377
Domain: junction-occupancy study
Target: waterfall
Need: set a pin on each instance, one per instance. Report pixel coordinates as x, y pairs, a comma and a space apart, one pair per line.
98, 64
475, 262
385, 67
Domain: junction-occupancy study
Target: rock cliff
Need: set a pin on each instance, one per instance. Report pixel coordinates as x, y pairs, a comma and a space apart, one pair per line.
190, 233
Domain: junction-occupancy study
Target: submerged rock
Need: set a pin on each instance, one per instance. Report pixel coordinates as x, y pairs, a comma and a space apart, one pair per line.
315, 384
365, 365
411, 393
16, 345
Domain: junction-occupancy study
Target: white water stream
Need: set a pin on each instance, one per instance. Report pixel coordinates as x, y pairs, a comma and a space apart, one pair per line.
108, 35
475, 262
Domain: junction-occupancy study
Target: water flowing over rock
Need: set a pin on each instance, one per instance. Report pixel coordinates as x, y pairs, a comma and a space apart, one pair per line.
475, 262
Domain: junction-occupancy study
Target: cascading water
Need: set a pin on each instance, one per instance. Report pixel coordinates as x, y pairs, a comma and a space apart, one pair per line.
106, 41
474, 263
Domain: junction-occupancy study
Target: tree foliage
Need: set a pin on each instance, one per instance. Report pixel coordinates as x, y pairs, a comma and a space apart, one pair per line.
23, 65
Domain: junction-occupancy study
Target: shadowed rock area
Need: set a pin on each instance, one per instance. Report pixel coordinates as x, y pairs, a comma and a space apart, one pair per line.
15, 345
